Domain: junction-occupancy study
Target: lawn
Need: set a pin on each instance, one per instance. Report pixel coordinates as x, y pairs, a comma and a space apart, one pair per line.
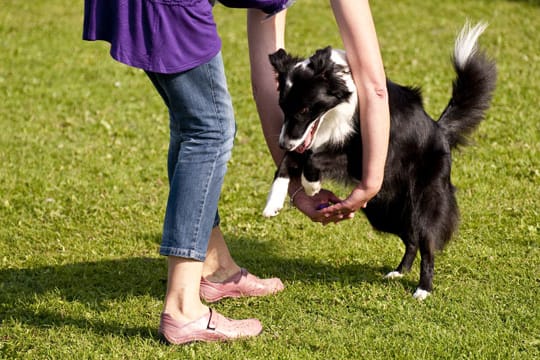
83, 186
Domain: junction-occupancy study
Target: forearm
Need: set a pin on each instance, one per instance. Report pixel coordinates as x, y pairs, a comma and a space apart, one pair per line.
375, 132
363, 54
265, 38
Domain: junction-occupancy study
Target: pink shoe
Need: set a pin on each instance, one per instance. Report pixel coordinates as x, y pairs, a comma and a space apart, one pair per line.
211, 327
238, 285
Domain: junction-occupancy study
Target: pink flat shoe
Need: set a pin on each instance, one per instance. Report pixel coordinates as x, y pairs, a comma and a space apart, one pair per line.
241, 284
211, 327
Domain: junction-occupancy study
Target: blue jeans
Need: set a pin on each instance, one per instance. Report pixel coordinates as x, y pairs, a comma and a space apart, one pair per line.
202, 129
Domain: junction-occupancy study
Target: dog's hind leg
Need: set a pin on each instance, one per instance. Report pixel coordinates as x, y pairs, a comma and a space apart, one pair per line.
427, 265
405, 265
427, 252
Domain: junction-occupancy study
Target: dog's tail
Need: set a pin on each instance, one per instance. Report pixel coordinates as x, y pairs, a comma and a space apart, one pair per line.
472, 89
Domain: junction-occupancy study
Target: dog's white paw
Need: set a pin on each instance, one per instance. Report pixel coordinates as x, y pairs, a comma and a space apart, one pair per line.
393, 275
311, 188
276, 197
421, 294
271, 210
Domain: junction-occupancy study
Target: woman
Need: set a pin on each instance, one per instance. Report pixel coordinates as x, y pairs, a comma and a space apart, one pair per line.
176, 43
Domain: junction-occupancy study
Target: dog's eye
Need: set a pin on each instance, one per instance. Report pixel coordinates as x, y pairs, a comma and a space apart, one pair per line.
304, 111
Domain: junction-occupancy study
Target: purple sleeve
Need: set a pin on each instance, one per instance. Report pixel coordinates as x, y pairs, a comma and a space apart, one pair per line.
268, 6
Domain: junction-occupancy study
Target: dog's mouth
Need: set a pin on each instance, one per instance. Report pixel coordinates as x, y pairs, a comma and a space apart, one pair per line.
308, 138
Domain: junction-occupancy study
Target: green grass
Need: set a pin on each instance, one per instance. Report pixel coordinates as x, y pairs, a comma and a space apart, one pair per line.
83, 185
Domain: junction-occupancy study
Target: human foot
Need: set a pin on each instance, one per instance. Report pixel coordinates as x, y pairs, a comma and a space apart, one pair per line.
210, 327
241, 284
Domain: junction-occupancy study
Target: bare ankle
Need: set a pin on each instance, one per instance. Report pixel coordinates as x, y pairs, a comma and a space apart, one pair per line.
186, 315
221, 273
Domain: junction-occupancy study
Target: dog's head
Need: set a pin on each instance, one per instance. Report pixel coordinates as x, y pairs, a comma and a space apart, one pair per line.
308, 90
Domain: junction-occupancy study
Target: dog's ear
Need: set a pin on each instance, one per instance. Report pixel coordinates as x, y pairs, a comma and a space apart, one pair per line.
281, 61
319, 61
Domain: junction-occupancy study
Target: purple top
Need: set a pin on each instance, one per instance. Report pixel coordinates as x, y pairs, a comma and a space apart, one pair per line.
163, 36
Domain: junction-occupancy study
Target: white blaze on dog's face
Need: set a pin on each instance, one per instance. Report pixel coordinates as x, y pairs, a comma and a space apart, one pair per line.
318, 99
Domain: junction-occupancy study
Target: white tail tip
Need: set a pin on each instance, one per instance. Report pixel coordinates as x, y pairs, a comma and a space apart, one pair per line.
465, 46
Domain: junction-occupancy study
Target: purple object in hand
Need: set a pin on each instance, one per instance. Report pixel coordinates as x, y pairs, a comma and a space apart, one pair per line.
322, 206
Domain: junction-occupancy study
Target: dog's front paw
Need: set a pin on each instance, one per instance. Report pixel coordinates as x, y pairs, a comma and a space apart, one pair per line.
393, 275
311, 188
276, 197
271, 210
421, 294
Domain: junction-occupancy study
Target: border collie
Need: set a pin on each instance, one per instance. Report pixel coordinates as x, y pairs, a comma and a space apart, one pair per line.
321, 136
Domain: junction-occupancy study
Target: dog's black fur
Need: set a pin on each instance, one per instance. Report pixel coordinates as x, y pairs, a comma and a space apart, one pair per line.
417, 200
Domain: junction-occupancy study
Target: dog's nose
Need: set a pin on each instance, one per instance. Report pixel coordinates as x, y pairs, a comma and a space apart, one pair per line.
281, 143
285, 145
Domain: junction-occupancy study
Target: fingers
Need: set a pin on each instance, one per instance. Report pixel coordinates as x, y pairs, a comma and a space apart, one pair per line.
336, 219
333, 198
345, 210
338, 210
333, 217
327, 208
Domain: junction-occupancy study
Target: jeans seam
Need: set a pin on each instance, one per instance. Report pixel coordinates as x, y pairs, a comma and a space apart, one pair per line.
213, 167
214, 102
204, 201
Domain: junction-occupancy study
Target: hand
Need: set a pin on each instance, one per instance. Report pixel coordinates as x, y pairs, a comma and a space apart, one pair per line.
309, 204
358, 198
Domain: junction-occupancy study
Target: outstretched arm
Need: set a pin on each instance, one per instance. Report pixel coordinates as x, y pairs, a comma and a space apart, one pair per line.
360, 40
265, 38
357, 31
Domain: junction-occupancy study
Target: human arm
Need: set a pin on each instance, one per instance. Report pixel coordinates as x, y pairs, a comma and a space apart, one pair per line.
265, 38
359, 38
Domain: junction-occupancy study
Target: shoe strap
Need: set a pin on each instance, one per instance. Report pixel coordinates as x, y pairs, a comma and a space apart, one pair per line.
211, 325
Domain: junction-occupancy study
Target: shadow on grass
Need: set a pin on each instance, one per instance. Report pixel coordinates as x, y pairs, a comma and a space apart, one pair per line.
262, 259
95, 285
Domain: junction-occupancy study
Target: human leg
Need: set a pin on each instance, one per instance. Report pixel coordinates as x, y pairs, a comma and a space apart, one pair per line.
182, 301
219, 264
202, 131
223, 278
201, 137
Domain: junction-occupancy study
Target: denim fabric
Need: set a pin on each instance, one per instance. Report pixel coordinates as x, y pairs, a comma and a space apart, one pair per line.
202, 129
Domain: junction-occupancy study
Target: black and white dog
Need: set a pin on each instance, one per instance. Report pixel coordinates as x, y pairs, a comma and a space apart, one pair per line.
321, 135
